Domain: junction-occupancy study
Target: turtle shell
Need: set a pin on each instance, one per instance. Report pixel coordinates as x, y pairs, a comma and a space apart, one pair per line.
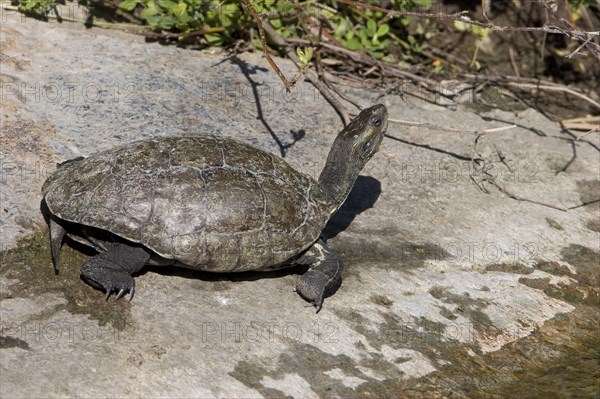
207, 203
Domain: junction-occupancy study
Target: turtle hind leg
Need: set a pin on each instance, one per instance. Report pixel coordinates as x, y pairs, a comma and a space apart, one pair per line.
111, 270
57, 233
324, 275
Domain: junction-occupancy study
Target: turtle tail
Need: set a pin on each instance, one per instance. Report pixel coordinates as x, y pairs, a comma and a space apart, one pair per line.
57, 233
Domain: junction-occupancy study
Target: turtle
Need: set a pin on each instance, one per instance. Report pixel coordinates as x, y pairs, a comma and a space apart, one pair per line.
207, 203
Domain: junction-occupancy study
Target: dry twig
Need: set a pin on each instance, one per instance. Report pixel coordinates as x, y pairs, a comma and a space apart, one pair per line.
480, 174
311, 76
569, 30
591, 123
183, 35
503, 190
263, 39
594, 130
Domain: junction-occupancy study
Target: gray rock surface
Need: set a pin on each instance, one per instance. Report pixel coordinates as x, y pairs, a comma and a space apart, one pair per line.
448, 291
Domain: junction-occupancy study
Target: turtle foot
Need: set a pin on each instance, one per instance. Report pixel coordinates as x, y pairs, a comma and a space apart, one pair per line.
323, 277
111, 270
109, 281
312, 286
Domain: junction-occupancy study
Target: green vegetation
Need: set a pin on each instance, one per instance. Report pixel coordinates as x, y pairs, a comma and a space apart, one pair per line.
481, 34
221, 22
405, 34
188, 15
39, 6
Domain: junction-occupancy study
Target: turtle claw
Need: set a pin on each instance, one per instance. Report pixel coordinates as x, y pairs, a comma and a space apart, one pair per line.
129, 287
313, 286
322, 278
120, 293
111, 270
123, 291
318, 304
110, 281
313, 294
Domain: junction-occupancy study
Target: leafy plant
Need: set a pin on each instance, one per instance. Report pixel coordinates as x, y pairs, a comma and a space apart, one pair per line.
305, 56
185, 15
221, 21
39, 6
480, 32
575, 4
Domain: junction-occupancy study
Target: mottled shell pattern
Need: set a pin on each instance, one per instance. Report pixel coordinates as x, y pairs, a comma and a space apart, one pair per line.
208, 203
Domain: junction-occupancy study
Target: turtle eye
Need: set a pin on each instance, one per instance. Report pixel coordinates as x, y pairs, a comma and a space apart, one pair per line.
375, 120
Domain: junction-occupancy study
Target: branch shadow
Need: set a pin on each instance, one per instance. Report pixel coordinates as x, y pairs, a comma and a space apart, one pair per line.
434, 149
248, 70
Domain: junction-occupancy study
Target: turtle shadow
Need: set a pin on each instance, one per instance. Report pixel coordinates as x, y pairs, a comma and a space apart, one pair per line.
192, 274
363, 196
221, 280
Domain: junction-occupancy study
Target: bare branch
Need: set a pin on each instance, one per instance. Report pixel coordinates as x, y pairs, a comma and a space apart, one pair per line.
518, 198
596, 130
311, 76
570, 31
263, 39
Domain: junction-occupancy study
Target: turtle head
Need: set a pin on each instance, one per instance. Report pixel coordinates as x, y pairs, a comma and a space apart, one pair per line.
351, 150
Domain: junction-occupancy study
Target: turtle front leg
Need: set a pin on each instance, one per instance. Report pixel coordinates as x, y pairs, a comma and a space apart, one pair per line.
324, 275
111, 270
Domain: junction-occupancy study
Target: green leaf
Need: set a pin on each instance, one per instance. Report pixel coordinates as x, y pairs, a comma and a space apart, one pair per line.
276, 23
128, 5
406, 20
153, 21
226, 21
179, 9
341, 28
371, 27
148, 12
383, 30
183, 20
229, 9
419, 30
166, 22
305, 55
40, 6
285, 7
214, 39
167, 4
461, 26
422, 3
362, 35
481, 32
353, 44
